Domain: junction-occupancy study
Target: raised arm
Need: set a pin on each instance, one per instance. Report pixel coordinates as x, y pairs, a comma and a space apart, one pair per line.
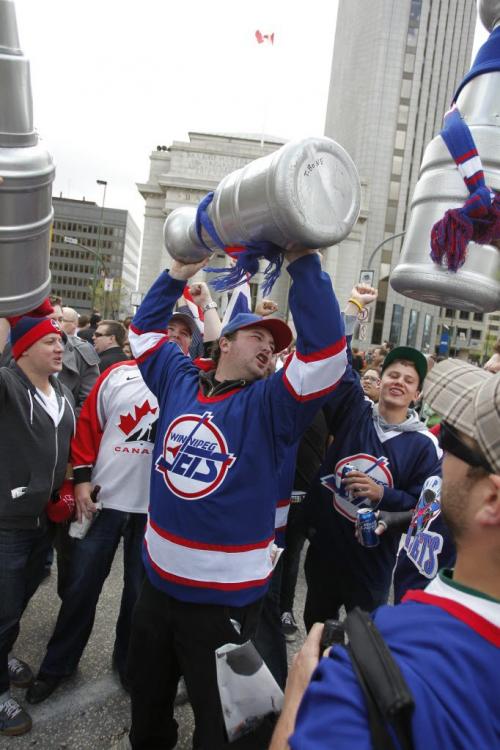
147, 333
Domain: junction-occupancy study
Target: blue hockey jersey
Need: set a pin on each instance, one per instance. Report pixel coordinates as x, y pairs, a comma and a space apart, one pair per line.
426, 546
216, 460
446, 641
399, 457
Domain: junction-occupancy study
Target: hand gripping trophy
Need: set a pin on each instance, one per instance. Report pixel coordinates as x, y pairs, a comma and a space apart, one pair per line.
304, 195
26, 176
450, 255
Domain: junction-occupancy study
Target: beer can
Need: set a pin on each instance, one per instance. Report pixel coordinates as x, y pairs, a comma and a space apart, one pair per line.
367, 523
346, 469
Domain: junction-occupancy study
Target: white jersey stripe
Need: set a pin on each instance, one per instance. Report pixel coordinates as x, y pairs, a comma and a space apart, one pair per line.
308, 378
141, 343
281, 517
214, 566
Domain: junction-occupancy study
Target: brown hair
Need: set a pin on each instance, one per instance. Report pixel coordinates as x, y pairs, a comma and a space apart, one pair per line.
215, 351
115, 329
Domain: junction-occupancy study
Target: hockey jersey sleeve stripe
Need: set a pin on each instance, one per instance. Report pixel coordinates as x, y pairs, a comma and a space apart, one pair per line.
310, 379
144, 344
206, 567
327, 353
483, 627
192, 544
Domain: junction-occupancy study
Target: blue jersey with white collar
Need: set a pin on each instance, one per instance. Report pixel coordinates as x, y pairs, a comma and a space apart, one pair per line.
216, 460
400, 459
446, 641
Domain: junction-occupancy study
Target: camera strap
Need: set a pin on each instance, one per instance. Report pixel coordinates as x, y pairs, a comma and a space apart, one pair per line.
389, 700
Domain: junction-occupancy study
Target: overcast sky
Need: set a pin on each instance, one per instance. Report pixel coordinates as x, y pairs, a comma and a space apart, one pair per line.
112, 79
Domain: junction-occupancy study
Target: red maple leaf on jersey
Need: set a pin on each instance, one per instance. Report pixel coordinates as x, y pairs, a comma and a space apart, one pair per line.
129, 422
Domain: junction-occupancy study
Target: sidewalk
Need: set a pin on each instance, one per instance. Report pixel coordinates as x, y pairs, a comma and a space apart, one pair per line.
91, 709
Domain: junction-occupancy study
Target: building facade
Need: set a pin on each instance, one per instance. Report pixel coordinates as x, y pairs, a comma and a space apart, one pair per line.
396, 64
90, 246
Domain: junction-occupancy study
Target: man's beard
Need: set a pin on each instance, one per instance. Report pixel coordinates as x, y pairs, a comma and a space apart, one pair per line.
454, 498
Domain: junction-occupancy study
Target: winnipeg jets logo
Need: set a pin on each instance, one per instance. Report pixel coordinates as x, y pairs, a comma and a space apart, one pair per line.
195, 458
141, 425
423, 546
343, 500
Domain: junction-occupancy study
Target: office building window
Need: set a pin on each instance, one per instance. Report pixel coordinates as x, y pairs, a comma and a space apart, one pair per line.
396, 324
450, 313
478, 317
464, 315
411, 336
426, 333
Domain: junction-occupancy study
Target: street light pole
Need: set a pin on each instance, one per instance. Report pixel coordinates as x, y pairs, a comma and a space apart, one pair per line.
98, 259
380, 244
105, 185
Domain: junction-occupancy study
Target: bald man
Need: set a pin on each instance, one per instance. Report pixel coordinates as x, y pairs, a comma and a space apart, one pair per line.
69, 322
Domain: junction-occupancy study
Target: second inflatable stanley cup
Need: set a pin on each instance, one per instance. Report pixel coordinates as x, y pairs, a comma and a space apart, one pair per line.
305, 195
476, 284
27, 173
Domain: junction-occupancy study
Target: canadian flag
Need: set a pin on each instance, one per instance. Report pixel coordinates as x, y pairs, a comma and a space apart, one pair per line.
262, 38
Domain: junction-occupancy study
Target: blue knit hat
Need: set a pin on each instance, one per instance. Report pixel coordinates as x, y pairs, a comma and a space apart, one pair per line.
28, 330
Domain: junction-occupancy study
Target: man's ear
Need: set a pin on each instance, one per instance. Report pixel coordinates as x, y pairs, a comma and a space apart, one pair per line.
489, 512
224, 344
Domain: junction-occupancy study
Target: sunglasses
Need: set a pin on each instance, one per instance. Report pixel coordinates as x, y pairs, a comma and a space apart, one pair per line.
450, 442
96, 335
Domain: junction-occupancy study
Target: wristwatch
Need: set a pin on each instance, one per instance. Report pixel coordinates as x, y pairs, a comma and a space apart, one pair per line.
210, 306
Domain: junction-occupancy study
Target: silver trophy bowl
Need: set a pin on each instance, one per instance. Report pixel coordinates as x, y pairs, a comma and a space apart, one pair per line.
305, 195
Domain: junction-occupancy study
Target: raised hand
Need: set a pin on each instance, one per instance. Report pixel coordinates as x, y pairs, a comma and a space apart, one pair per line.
184, 271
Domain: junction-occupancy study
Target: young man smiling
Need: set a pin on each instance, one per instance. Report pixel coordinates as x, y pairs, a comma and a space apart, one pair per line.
220, 442
380, 458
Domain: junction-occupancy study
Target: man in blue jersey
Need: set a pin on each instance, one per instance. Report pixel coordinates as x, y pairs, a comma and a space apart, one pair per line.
380, 457
446, 639
220, 442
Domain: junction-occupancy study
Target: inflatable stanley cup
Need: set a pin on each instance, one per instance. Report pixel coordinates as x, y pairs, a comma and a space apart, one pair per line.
304, 195
27, 173
450, 176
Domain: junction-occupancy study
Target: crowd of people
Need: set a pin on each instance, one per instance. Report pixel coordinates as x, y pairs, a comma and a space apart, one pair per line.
207, 467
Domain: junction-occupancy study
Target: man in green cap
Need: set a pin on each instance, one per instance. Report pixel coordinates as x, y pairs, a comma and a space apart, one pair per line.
379, 459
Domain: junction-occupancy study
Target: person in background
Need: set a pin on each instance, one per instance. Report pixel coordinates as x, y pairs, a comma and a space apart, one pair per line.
357, 359
108, 339
87, 333
493, 364
80, 360
370, 383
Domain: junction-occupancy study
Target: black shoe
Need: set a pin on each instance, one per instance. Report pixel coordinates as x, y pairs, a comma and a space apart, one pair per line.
289, 627
13, 719
20, 674
42, 688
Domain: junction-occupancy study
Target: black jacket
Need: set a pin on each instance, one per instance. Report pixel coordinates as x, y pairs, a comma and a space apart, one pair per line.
33, 451
110, 357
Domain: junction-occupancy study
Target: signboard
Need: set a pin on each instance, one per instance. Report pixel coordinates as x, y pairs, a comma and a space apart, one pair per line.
366, 277
108, 285
136, 299
444, 344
